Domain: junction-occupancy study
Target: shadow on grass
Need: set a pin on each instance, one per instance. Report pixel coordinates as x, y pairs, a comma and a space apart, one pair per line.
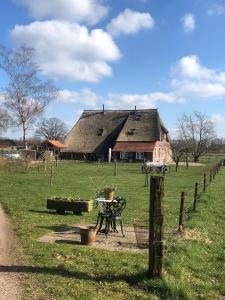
53, 212
42, 212
139, 280
69, 242
190, 211
60, 228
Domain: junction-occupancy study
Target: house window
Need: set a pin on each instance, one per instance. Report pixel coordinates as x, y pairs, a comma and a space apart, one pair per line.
139, 155
100, 132
123, 155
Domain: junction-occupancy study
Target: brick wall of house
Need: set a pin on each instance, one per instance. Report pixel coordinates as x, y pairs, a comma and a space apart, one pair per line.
162, 152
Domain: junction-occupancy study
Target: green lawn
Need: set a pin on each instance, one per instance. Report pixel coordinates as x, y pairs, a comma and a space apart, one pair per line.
193, 269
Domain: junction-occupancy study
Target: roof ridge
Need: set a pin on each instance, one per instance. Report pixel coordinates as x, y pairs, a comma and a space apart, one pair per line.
119, 110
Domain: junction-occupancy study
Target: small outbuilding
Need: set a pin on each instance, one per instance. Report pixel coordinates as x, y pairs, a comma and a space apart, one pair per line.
54, 146
7, 145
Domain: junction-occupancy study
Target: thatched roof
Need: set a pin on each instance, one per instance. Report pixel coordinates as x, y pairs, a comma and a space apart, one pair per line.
98, 130
144, 126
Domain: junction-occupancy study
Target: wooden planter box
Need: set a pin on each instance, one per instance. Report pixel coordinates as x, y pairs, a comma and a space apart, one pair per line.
76, 206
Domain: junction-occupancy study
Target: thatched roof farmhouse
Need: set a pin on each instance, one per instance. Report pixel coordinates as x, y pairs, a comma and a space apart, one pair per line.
131, 134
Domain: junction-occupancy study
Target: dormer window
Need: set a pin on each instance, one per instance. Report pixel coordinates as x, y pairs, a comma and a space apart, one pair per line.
131, 131
100, 131
137, 117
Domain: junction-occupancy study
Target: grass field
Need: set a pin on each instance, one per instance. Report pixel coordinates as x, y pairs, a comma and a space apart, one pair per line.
193, 268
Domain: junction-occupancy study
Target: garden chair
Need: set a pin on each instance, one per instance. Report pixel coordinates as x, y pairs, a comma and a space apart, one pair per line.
104, 212
111, 214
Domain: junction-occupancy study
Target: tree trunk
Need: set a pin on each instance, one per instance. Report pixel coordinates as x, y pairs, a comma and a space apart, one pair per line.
186, 158
24, 136
177, 165
196, 157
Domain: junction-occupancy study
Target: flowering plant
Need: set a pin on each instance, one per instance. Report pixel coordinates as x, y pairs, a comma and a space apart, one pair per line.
110, 189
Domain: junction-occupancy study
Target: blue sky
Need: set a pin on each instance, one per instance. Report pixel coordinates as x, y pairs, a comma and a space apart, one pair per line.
160, 54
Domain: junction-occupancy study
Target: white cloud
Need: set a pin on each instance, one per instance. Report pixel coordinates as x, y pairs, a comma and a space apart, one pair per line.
189, 67
217, 9
219, 123
192, 79
189, 80
69, 51
218, 119
126, 101
89, 99
188, 22
85, 97
130, 22
199, 89
88, 11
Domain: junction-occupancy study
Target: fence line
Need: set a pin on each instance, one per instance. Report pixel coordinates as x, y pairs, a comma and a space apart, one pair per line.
214, 170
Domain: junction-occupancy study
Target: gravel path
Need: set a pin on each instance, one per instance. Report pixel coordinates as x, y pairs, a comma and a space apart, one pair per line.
9, 281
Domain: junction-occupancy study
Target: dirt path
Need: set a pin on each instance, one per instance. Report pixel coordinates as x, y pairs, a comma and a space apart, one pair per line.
9, 282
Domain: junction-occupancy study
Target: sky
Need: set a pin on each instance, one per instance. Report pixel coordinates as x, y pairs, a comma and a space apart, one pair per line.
162, 54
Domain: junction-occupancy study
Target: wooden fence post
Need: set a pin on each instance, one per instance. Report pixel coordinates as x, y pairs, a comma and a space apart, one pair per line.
146, 178
204, 183
181, 215
115, 168
38, 166
155, 227
195, 196
98, 165
51, 176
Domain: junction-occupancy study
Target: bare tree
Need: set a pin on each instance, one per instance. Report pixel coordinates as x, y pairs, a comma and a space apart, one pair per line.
217, 145
187, 152
51, 129
178, 150
197, 131
5, 119
26, 96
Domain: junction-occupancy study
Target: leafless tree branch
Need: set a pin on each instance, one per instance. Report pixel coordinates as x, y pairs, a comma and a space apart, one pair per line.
26, 96
197, 130
51, 129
